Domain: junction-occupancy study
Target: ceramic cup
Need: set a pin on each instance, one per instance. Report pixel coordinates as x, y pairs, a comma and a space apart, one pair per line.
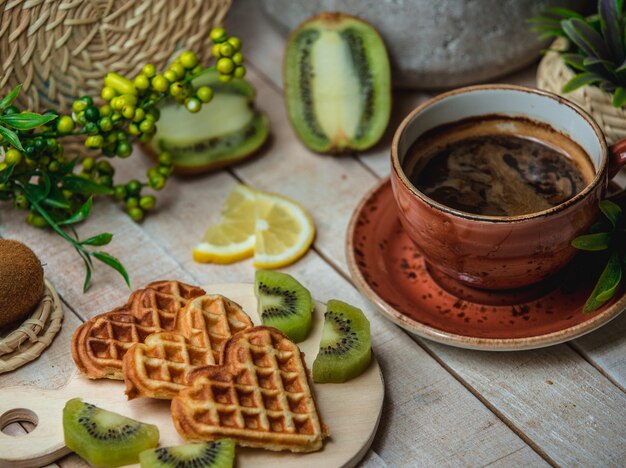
499, 252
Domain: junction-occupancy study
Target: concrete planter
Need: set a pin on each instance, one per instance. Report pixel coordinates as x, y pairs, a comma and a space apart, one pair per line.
439, 43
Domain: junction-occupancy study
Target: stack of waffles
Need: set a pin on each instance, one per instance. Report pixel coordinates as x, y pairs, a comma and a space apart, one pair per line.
226, 377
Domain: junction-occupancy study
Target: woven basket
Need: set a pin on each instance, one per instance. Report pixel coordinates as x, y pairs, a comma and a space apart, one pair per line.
61, 49
553, 73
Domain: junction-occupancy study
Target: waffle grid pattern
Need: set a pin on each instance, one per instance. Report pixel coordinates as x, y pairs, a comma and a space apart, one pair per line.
160, 303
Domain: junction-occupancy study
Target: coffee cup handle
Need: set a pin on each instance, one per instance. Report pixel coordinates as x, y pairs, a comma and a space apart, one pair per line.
617, 152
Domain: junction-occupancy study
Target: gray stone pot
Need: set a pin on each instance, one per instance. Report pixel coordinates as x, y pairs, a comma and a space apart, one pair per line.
439, 43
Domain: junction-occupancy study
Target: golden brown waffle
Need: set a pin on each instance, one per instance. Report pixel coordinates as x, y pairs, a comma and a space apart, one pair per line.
159, 367
159, 303
99, 344
260, 396
208, 321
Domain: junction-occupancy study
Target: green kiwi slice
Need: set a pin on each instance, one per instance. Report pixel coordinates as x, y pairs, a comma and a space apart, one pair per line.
345, 347
225, 130
283, 303
215, 454
337, 83
104, 438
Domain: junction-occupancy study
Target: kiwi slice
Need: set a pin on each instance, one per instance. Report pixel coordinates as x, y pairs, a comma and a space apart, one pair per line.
216, 454
345, 347
225, 130
283, 303
337, 83
104, 438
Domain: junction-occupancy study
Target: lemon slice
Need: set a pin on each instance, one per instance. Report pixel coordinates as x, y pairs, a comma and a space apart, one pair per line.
284, 231
232, 239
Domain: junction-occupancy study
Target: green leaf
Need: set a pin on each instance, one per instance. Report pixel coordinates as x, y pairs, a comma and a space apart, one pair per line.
99, 240
610, 27
113, 263
6, 174
26, 120
607, 284
611, 210
88, 269
563, 12
36, 192
81, 214
619, 97
79, 184
585, 37
574, 60
581, 80
11, 137
56, 203
9, 98
592, 242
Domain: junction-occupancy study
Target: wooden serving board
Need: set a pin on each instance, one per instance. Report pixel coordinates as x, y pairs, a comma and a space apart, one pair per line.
351, 410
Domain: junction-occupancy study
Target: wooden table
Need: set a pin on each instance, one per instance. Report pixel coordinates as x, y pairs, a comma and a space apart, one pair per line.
564, 405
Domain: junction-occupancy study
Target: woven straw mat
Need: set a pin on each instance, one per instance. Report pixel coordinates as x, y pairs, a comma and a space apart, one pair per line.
34, 335
552, 74
61, 49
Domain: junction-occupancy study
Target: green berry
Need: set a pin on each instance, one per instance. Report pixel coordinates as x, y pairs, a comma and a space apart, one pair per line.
188, 59
20, 202
105, 180
146, 126
239, 72
54, 166
218, 35
123, 149
237, 58
152, 172
119, 192
133, 129
160, 83
225, 78
105, 111
204, 93
235, 42
92, 128
128, 112
88, 164
136, 214
149, 70
176, 89
140, 114
133, 187
178, 70
157, 182
165, 159
117, 103
132, 202
225, 66
193, 105
119, 83
107, 93
31, 151
197, 69
170, 76
147, 202
65, 124
87, 100
226, 50
37, 221
94, 141
79, 105
13, 156
129, 100
141, 82
105, 124
104, 167
164, 170
121, 135
3, 166
40, 145
216, 51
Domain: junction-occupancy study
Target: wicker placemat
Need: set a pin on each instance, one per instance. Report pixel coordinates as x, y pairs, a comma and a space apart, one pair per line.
34, 335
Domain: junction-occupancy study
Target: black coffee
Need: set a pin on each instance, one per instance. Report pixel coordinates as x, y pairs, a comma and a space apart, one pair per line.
498, 167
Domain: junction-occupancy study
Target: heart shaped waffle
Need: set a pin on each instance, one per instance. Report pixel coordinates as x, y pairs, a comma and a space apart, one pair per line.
99, 344
158, 368
260, 396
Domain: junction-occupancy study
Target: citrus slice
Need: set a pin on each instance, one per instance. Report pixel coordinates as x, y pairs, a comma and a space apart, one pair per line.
284, 231
232, 239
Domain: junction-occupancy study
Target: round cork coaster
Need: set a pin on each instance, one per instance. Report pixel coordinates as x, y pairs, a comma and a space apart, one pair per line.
27, 342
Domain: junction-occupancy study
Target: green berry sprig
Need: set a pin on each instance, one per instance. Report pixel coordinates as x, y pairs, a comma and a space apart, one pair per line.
56, 189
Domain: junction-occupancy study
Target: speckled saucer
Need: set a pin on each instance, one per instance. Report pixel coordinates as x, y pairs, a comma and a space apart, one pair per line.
390, 272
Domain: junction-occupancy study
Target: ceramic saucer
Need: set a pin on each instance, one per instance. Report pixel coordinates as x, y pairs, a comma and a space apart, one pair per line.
387, 268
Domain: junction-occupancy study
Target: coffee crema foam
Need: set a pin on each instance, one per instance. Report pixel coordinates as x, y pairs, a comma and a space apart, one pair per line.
498, 166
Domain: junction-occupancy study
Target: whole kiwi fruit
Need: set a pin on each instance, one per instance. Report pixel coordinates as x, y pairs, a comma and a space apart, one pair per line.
21, 281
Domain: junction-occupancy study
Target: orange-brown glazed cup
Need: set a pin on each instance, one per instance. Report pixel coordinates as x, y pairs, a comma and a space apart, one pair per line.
497, 252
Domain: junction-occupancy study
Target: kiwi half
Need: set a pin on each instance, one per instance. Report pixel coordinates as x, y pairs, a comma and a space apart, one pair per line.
224, 131
345, 347
104, 438
337, 83
283, 303
216, 454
